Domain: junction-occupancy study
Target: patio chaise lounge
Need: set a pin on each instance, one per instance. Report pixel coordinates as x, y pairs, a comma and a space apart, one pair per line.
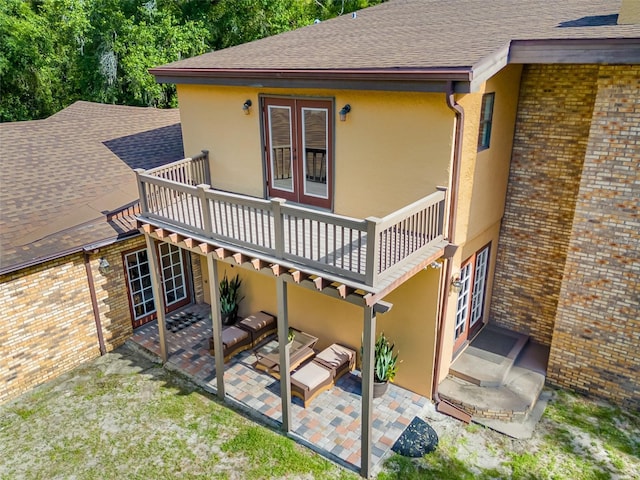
322, 372
234, 341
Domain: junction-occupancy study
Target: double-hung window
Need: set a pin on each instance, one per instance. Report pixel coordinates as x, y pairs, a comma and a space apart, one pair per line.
486, 120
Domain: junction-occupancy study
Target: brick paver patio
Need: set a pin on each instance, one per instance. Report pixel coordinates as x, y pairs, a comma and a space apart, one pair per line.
331, 423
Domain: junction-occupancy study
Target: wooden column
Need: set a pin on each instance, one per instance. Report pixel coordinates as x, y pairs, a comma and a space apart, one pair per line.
283, 342
158, 296
368, 345
216, 320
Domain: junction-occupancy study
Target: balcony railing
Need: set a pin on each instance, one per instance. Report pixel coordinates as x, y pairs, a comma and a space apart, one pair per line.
366, 251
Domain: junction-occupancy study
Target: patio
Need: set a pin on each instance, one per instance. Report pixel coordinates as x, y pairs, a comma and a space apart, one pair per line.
330, 425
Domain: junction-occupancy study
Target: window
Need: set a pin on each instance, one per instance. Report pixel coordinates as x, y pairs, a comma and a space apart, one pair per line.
486, 118
298, 150
174, 282
471, 298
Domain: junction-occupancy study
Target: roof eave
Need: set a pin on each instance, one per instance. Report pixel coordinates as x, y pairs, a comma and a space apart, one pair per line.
421, 80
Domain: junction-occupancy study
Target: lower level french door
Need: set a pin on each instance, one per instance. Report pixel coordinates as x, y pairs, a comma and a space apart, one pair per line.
175, 282
471, 297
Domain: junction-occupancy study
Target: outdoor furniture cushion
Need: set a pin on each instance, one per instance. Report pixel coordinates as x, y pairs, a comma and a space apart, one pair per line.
234, 340
259, 325
338, 358
310, 380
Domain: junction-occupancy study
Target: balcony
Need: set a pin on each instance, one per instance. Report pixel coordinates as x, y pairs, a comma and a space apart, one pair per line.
369, 254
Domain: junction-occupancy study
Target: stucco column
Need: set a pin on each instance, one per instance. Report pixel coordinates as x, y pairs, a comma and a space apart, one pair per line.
158, 296
216, 320
368, 342
283, 342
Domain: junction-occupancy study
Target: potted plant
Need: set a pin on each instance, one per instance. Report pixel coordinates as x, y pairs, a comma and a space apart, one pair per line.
230, 299
385, 365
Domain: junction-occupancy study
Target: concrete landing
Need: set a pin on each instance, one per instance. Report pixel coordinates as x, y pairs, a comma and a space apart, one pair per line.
487, 361
512, 400
520, 429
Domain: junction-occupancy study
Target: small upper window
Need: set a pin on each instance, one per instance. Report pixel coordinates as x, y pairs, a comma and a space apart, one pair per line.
486, 118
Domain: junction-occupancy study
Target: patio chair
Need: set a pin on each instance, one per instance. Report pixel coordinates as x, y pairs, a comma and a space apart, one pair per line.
322, 372
234, 341
260, 325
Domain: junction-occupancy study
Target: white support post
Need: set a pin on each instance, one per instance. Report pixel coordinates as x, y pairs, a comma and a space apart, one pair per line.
368, 344
216, 320
283, 342
158, 296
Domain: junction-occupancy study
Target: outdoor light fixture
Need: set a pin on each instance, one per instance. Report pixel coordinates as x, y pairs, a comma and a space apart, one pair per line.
456, 285
246, 107
104, 266
343, 113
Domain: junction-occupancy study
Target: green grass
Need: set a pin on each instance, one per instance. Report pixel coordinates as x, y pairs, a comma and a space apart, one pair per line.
103, 425
102, 422
583, 439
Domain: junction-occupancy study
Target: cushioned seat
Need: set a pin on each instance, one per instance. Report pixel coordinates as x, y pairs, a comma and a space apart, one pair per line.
310, 380
338, 358
259, 325
234, 341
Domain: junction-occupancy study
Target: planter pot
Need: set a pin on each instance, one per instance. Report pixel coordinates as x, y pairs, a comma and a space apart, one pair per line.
379, 389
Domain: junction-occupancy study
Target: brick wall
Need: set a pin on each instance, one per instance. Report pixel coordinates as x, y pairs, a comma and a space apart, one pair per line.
47, 325
596, 342
553, 121
112, 294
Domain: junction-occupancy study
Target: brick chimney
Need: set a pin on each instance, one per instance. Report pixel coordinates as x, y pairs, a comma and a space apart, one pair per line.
629, 12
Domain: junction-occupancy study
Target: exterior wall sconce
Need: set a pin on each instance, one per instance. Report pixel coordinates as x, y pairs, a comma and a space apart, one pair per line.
104, 266
456, 284
246, 107
343, 113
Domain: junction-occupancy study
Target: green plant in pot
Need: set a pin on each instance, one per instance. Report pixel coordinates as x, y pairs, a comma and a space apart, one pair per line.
385, 365
230, 299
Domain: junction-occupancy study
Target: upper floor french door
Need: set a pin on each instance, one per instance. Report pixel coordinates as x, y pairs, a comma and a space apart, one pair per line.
471, 297
299, 156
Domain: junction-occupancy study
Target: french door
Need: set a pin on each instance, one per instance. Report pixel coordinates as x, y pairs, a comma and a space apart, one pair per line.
299, 156
471, 297
175, 286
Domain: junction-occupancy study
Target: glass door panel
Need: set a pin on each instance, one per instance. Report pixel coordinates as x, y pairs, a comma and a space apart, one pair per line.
462, 311
479, 283
281, 148
314, 142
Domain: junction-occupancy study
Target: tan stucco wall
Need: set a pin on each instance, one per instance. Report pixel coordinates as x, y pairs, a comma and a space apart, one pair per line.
410, 323
483, 185
393, 149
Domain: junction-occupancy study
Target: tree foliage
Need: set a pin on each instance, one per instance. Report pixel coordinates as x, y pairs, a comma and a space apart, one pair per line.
54, 52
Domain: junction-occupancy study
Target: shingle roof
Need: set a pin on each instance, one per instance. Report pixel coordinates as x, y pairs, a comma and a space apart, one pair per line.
59, 176
421, 34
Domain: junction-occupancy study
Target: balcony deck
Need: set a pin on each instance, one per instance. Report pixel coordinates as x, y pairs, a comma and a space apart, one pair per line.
368, 254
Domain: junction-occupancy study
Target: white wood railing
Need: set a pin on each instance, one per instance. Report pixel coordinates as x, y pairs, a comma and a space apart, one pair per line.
365, 251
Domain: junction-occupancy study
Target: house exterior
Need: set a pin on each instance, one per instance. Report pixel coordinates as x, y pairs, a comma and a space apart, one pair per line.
412, 171
68, 200
511, 132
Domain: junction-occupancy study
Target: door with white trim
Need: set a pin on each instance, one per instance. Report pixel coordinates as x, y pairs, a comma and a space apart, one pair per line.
175, 285
471, 297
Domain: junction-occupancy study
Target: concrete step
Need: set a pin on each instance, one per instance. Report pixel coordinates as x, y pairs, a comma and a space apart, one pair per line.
489, 358
511, 401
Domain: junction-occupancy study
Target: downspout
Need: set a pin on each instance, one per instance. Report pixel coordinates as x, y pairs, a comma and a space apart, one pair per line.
94, 303
442, 405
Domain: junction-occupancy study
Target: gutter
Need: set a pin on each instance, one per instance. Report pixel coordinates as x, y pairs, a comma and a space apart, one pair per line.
94, 302
396, 79
442, 405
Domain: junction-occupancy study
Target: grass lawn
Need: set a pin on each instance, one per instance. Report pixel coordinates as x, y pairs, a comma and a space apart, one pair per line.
122, 416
